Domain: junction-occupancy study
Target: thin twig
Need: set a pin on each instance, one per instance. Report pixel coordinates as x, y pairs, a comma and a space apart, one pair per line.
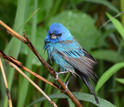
110, 20
41, 78
33, 83
46, 65
6, 84
12, 32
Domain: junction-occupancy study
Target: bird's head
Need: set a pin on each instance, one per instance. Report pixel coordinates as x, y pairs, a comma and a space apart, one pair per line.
57, 32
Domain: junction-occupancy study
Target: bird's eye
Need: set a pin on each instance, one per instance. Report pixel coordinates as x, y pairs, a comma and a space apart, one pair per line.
51, 34
59, 34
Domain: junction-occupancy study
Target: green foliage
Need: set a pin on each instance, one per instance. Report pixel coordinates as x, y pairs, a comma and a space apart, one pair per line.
107, 55
106, 3
108, 74
81, 18
15, 45
24, 84
117, 24
120, 80
79, 96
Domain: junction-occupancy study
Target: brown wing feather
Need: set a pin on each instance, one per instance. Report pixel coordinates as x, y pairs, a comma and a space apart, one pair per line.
84, 64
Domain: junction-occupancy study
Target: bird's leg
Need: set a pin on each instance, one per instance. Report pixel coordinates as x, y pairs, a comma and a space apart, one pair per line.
67, 82
62, 72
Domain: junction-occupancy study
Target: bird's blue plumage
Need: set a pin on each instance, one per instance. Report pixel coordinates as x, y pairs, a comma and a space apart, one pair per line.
62, 47
64, 43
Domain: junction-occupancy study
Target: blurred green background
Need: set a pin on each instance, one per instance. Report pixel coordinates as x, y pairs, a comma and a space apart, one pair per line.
83, 18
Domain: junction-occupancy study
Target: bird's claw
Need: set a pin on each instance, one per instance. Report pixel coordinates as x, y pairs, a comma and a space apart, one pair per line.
67, 82
66, 85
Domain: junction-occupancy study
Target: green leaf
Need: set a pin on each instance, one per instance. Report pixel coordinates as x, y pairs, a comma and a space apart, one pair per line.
79, 96
120, 80
108, 55
81, 27
106, 3
117, 25
108, 74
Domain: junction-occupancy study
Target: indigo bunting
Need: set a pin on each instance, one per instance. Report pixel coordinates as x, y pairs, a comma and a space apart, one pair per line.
62, 47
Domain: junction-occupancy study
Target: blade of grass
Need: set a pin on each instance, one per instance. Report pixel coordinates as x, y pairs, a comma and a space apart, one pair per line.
108, 74
15, 45
117, 25
24, 83
120, 80
122, 9
29, 18
120, 29
54, 10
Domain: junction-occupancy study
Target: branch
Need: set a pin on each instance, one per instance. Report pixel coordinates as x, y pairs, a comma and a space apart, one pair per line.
6, 84
33, 83
45, 64
20, 65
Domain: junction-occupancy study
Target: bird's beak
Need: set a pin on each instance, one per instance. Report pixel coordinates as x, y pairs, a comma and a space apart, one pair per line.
53, 36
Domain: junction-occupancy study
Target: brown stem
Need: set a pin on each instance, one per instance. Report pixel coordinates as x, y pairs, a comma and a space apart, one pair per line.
46, 65
101, 15
6, 84
33, 83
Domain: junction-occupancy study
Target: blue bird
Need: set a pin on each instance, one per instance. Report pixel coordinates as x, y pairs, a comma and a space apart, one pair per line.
62, 47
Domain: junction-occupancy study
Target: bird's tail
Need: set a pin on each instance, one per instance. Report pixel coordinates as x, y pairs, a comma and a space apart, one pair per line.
87, 82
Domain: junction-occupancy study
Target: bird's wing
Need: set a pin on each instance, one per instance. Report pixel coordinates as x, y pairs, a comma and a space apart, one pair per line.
80, 59
82, 62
